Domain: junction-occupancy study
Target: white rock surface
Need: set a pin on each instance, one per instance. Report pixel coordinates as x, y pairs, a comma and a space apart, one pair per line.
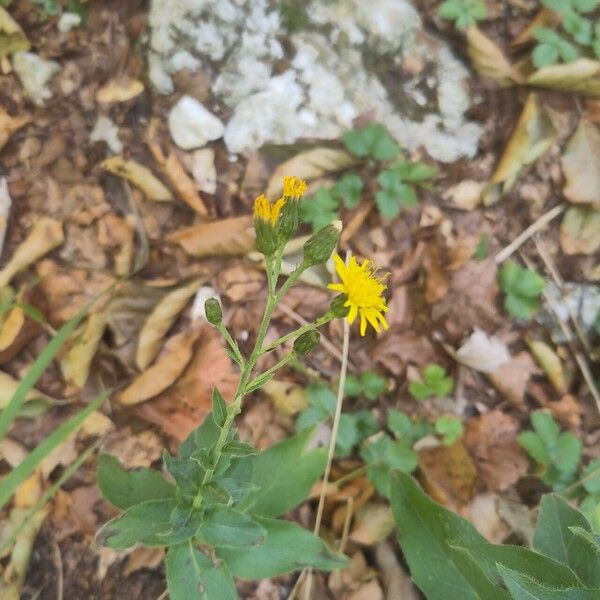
204, 170
35, 74
106, 131
192, 126
350, 57
68, 21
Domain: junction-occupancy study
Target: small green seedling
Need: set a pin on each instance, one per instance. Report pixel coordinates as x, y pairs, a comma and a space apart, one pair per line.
522, 289
482, 250
551, 47
371, 141
557, 453
434, 383
368, 384
464, 13
450, 428
590, 504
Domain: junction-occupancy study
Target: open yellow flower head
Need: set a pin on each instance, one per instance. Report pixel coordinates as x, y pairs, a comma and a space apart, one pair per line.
293, 187
363, 289
265, 211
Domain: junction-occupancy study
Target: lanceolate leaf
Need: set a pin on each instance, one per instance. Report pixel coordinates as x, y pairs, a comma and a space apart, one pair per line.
191, 575
288, 547
124, 489
228, 527
284, 475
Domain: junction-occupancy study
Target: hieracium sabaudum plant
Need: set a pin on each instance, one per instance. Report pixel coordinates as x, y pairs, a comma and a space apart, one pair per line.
218, 510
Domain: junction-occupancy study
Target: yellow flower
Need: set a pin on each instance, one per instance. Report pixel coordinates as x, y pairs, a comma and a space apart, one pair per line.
292, 186
265, 211
363, 290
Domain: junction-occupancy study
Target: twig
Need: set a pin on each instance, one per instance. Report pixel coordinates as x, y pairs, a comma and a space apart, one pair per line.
579, 357
347, 522
527, 233
332, 441
163, 595
58, 564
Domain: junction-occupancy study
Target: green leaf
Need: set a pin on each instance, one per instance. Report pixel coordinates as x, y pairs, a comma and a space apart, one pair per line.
434, 383
321, 396
288, 547
373, 385
147, 523
450, 428
554, 538
353, 386
463, 12
400, 423
284, 475
225, 526
534, 446
546, 427
203, 437
522, 308
239, 449
522, 587
591, 474
388, 204
544, 55
191, 575
219, 408
319, 209
424, 532
349, 189
373, 141
310, 417
124, 488
348, 435
590, 507
522, 287
567, 452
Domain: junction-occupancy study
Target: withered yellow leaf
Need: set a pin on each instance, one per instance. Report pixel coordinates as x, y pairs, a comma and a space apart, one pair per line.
581, 164
139, 176
489, 60
288, 398
581, 76
12, 38
310, 165
9, 385
229, 237
533, 135
118, 90
550, 363
160, 321
164, 372
580, 231
11, 326
75, 364
46, 235
8, 125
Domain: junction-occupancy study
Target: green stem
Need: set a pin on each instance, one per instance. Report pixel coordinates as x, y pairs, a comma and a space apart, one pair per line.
252, 385
291, 280
326, 318
232, 344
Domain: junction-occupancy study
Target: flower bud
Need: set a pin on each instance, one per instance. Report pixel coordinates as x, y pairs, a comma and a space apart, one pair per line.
306, 342
212, 310
288, 220
318, 248
337, 307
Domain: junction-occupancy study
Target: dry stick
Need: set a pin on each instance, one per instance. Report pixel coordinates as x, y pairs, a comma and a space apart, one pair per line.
332, 441
527, 233
579, 357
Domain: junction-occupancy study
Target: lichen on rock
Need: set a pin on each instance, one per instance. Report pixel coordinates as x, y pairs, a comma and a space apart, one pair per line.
344, 58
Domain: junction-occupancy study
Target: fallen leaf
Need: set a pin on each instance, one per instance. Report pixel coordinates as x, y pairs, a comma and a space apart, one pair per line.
436, 285
482, 352
448, 474
581, 164
580, 231
164, 372
143, 558
95, 424
533, 135
289, 398
397, 350
160, 321
75, 365
465, 195
550, 363
9, 385
229, 237
489, 60
134, 450
511, 379
12, 325
309, 165
355, 582
581, 76
180, 181
29, 492
491, 440
82, 508
118, 235
9, 125
139, 176
239, 282
483, 513
12, 38
120, 89
372, 523
46, 235
396, 581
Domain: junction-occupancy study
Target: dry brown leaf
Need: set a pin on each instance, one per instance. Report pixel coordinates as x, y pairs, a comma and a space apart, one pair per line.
46, 235
289, 398
143, 558
160, 321
138, 175
75, 365
9, 125
581, 76
483, 513
11, 327
448, 474
12, 38
533, 135
372, 523
118, 235
489, 60
581, 164
164, 372
436, 285
491, 440
397, 350
120, 89
96, 424
482, 352
465, 195
550, 363
309, 165
134, 449
229, 237
511, 379
8, 386
182, 407
580, 231
29, 492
